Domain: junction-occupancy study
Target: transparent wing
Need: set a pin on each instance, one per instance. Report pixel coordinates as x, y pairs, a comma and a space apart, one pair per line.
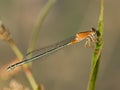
50, 48
43, 51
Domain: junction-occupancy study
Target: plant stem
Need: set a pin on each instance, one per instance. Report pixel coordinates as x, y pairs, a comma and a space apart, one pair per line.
97, 52
25, 67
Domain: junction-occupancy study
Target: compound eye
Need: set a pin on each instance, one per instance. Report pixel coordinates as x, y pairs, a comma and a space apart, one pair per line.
96, 32
93, 29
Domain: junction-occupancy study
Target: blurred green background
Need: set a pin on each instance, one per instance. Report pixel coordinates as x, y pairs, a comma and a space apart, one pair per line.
68, 68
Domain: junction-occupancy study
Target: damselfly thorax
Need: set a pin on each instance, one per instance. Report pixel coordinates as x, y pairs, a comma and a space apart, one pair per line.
90, 36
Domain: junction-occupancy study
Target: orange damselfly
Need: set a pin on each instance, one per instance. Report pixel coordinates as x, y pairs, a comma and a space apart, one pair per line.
90, 36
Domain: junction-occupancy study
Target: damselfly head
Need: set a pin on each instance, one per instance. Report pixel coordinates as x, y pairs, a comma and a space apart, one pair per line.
93, 31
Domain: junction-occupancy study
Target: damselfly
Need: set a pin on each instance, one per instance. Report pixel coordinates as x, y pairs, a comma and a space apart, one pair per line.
90, 36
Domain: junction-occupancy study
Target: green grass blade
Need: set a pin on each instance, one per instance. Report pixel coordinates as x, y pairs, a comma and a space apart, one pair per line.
97, 51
